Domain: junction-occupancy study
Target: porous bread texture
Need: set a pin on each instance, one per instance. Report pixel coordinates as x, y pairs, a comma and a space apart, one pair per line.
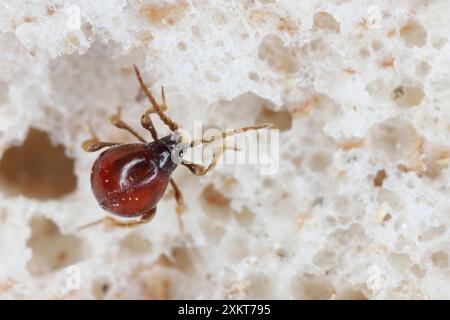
358, 209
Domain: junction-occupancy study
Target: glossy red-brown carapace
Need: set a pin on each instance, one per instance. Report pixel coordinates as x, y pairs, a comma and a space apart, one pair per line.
128, 180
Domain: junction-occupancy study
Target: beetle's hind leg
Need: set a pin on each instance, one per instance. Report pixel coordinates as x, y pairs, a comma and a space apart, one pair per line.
116, 120
94, 144
146, 218
180, 203
111, 222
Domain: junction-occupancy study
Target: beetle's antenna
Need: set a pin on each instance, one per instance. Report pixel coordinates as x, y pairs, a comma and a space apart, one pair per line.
164, 118
229, 133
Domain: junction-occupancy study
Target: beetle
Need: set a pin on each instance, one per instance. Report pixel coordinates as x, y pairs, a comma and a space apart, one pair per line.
128, 180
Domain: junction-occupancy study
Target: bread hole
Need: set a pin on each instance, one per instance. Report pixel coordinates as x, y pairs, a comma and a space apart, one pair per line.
393, 136
253, 104
216, 204
364, 53
411, 184
100, 288
308, 141
135, 244
269, 183
387, 62
248, 3
379, 91
317, 45
74, 40
324, 258
245, 217
413, 34
387, 217
156, 285
260, 287
4, 92
278, 57
407, 97
282, 120
320, 160
440, 259
382, 214
385, 195
325, 21
439, 42
423, 69
37, 169
144, 36
397, 93
312, 288
418, 271
88, 30
213, 232
237, 249
400, 261
196, 32
377, 45
253, 76
51, 250
183, 259
211, 76
437, 158
349, 236
432, 233
182, 46
329, 219
281, 253
379, 178
352, 294
298, 160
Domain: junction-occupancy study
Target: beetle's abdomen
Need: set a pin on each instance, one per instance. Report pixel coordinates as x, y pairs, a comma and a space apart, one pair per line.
129, 180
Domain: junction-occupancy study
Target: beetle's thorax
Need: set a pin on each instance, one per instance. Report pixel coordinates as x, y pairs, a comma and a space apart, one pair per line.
168, 151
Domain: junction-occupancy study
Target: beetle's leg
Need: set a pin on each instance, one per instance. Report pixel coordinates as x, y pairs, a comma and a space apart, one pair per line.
200, 170
93, 144
110, 222
146, 120
180, 203
147, 123
117, 121
228, 133
156, 107
146, 218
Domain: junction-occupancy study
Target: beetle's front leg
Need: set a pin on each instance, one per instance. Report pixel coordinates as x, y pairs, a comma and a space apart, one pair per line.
200, 170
